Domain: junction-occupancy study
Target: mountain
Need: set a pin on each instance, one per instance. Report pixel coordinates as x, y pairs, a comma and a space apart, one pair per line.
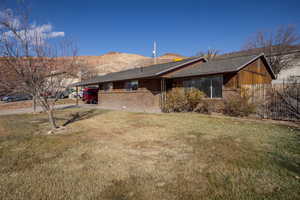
117, 61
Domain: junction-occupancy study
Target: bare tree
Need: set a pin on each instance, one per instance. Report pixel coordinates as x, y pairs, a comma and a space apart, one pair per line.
209, 54
34, 62
275, 45
86, 70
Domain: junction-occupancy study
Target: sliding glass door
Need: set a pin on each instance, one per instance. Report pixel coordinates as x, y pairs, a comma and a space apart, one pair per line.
211, 86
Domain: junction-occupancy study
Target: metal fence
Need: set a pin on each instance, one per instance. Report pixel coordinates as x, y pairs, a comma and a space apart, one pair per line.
279, 101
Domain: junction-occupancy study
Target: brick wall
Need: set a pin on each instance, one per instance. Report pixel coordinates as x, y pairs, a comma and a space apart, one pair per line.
146, 98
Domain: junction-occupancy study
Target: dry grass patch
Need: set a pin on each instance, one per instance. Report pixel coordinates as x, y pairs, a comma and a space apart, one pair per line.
28, 104
121, 155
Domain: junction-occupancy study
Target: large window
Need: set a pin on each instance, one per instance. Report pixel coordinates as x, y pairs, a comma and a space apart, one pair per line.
108, 86
211, 86
131, 85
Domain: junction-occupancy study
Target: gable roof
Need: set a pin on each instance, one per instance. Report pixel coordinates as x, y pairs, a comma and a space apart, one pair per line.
216, 66
222, 65
141, 72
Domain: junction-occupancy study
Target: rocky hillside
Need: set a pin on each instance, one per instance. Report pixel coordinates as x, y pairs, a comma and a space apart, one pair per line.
116, 61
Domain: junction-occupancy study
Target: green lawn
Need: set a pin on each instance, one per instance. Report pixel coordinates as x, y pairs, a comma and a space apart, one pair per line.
121, 155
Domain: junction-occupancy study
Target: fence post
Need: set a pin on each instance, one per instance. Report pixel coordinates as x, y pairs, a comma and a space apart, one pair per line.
76, 95
297, 97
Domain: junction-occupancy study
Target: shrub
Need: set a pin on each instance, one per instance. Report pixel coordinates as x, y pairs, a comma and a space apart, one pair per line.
239, 106
194, 97
204, 107
183, 100
175, 100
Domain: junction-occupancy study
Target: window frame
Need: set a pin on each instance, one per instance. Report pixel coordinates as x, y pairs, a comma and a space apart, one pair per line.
107, 87
129, 86
210, 91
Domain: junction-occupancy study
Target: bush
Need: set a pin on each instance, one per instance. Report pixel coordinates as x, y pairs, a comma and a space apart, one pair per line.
183, 100
239, 106
194, 97
204, 107
175, 100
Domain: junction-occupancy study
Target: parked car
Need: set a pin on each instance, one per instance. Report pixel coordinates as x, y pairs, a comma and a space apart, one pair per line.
16, 97
59, 95
1, 98
90, 95
63, 94
74, 95
80, 94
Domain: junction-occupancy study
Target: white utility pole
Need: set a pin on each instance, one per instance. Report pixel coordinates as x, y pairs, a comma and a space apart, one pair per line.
154, 52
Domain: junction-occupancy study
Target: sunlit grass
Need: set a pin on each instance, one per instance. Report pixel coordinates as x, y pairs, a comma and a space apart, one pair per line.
121, 155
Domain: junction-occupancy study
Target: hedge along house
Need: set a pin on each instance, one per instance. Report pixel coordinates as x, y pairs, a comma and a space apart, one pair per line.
144, 89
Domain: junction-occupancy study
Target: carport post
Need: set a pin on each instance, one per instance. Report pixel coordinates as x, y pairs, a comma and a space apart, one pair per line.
76, 95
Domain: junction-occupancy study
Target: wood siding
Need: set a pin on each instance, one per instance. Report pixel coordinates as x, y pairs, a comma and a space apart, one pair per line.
253, 74
230, 80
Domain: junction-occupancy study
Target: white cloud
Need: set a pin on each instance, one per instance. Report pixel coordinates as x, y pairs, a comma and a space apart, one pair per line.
45, 31
56, 34
35, 34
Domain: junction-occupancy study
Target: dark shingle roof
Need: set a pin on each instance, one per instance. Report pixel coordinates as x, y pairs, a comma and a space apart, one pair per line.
142, 72
217, 66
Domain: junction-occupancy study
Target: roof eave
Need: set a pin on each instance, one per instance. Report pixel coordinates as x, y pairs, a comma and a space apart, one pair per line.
269, 66
204, 74
262, 55
113, 80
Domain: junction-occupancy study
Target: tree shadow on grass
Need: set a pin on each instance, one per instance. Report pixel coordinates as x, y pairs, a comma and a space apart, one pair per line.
74, 117
128, 189
287, 163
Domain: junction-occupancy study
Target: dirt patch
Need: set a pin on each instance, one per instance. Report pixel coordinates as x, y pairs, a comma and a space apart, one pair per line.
15, 105
3, 132
149, 144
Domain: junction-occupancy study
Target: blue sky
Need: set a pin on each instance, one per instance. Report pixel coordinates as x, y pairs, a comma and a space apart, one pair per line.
183, 27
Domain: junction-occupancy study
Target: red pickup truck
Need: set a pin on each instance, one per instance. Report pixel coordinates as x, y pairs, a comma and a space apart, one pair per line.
90, 95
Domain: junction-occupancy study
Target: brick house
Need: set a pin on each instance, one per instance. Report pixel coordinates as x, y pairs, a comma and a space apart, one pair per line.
144, 88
